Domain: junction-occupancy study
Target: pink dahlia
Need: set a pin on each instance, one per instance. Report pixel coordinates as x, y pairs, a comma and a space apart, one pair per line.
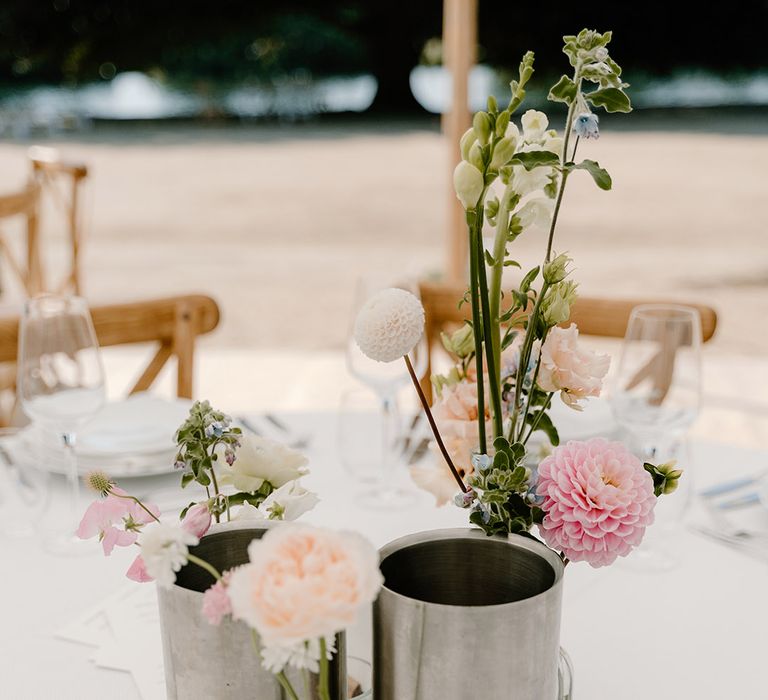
598, 500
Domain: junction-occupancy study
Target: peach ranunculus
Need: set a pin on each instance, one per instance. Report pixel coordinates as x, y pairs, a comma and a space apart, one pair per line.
303, 584
573, 371
455, 412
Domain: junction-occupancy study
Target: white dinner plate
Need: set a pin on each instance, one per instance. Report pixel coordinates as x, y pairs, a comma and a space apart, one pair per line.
131, 437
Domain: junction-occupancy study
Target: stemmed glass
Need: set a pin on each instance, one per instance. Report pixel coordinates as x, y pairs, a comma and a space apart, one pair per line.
655, 398
60, 384
385, 380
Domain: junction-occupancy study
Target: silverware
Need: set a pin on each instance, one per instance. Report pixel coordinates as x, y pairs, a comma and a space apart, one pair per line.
751, 543
731, 486
298, 442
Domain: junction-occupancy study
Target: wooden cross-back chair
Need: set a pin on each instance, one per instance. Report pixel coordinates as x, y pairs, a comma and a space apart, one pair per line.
593, 316
26, 204
62, 181
174, 324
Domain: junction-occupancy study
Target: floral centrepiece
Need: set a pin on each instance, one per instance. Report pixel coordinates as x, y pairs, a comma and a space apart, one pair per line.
302, 585
517, 352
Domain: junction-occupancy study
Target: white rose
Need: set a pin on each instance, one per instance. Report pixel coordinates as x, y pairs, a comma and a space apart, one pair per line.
535, 123
258, 460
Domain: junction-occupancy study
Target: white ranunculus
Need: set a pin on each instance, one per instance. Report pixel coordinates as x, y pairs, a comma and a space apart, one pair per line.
535, 123
164, 549
258, 460
468, 183
536, 213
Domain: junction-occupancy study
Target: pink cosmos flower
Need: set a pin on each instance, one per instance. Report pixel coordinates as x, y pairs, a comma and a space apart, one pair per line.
573, 371
138, 571
598, 500
103, 514
216, 603
197, 520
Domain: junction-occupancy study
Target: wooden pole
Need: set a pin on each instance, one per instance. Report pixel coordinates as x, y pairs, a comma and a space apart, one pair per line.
459, 55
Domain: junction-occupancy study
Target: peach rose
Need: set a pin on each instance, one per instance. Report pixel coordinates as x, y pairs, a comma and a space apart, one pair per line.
573, 371
455, 412
303, 583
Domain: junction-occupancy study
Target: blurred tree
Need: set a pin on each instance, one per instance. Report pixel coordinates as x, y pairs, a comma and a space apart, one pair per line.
233, 40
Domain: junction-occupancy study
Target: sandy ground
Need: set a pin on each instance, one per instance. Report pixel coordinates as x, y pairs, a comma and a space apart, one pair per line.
277, 223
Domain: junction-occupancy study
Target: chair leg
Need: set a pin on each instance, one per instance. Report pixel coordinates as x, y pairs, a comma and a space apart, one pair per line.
184, 349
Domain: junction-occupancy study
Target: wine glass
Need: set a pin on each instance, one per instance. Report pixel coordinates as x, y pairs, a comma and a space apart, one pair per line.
60, 385
655, 398
385, 380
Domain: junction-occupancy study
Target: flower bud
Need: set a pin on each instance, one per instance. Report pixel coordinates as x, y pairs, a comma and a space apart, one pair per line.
502, 152
197, 520
665, 477
466, 142
468, 183
493, 106
556, 307
491, 207
481, 123
476, 156
556, 270
461, 342
502, 122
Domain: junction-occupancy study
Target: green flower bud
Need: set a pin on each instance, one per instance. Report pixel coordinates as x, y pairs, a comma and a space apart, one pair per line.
502, 122
466, 142
482, 126
492, 104
556, 307
476, 156
461, 342
502, 152
468, 183
665, 477
556, 270
491, 207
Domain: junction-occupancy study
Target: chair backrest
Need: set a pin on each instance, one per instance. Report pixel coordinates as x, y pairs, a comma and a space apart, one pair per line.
62, 181
25, 203
174, 323
594, 316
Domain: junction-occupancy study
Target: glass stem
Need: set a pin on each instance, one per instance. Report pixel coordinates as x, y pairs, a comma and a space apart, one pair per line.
69, 440
389, 434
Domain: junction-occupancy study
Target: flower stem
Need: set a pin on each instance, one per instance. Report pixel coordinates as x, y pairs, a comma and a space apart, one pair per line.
204, 565
533, 386
282, 679
217, 493
433, 425
497, 271
491, 338
537, 420
137, 502
322, 690
477, 328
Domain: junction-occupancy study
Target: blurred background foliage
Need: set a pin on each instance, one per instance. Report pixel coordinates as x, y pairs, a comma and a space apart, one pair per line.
204, 43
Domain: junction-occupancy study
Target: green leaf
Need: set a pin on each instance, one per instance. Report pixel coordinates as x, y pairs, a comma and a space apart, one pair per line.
611, 99
525, 285
599, 175
545, 425
563, 91
535, 159
512, 263
186, 478
489, 259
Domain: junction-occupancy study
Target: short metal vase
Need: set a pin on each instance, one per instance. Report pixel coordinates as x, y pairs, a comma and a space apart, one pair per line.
221, 662
463, 615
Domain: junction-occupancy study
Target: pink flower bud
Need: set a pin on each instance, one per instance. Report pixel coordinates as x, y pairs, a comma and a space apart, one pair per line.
197, 521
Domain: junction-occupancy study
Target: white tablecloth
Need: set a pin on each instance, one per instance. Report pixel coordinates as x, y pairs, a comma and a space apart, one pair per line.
697, 631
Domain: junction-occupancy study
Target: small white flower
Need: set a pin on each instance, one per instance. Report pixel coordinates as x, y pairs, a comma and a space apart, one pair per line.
289, 502
303, 655
164, 549
259, 459
535, 123
389, 325
536, 213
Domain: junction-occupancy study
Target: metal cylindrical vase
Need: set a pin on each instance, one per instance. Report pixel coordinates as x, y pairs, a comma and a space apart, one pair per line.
207, 661
463, 615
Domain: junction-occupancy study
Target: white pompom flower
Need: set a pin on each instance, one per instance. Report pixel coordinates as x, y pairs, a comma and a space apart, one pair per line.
164, 549
389, 325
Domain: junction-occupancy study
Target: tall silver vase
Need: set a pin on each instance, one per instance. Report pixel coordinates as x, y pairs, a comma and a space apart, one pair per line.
463, 615
207, 661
